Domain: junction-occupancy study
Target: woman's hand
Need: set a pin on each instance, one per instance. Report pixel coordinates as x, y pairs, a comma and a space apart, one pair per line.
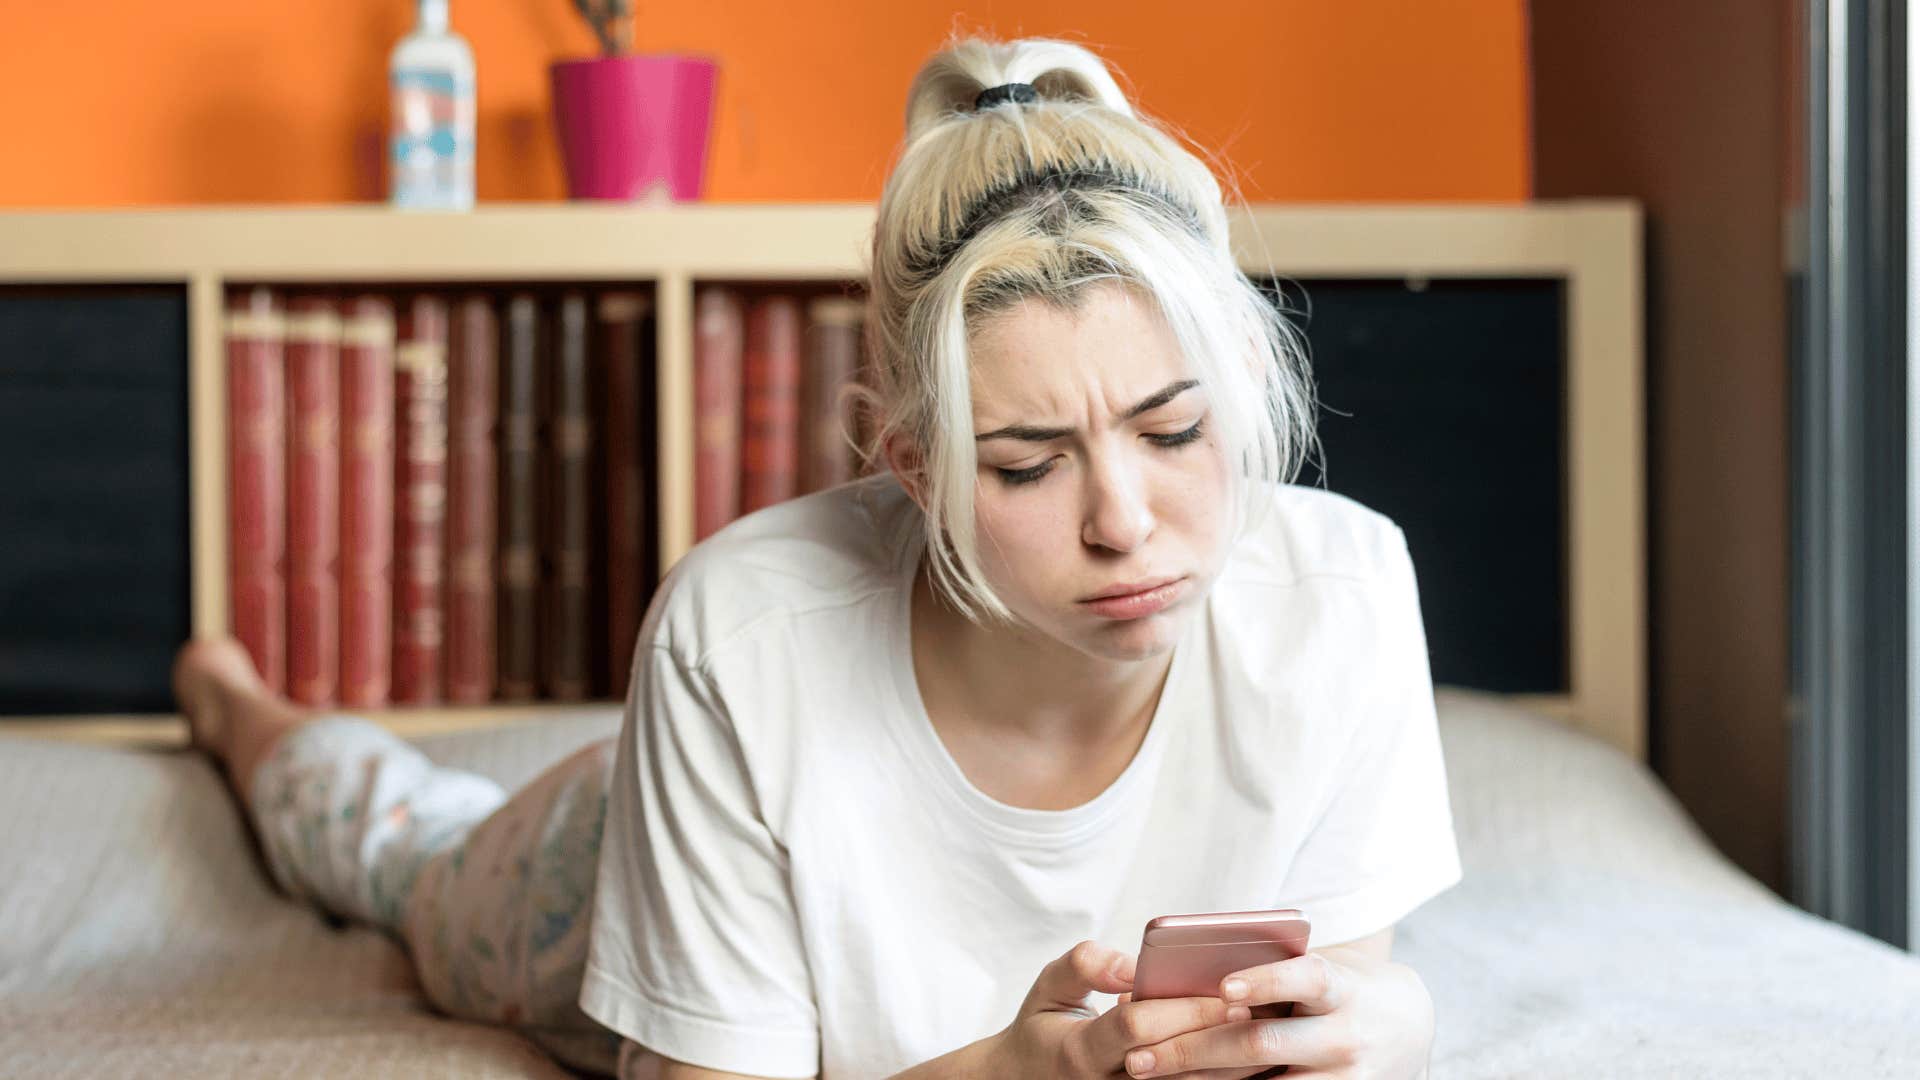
1354, 1016
1056, 1034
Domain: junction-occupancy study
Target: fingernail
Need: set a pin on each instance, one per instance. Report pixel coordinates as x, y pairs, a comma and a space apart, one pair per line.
1140, 1062
1234, 989
1239, 1012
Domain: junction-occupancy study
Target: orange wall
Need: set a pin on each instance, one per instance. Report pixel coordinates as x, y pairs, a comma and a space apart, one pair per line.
241, 101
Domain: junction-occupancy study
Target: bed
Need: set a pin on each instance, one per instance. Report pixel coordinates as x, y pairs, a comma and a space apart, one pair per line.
1596, 931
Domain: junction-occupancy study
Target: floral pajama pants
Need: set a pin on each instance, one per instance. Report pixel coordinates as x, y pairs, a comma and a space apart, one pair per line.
491, 895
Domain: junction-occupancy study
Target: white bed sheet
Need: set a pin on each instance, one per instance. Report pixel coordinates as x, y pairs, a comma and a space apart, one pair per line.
1596, 931
1597, 928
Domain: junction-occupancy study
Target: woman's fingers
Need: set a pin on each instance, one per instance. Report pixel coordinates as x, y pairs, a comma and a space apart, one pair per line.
1087, 967
1318, 984
1230, 1074
1309, 1041
1143, 1023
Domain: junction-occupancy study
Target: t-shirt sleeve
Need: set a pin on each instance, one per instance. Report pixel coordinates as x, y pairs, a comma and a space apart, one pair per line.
695, 950
1384, 844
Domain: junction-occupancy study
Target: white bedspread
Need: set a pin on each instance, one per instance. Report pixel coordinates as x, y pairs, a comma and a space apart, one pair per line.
1596, 933
1597, 928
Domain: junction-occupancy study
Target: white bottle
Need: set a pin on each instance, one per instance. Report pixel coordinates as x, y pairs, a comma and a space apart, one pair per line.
430, 151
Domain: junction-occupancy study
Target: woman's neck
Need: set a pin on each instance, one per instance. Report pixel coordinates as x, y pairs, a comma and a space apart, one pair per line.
1027, 718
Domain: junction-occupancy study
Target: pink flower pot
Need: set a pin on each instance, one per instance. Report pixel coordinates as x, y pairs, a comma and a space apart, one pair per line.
634, 127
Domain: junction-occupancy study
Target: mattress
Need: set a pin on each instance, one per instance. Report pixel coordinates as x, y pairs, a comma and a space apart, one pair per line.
1595, 929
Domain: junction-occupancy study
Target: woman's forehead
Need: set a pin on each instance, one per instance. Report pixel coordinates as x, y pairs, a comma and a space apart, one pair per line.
1036, 356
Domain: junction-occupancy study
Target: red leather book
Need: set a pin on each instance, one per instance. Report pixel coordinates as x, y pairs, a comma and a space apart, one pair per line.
567, 541
862, 417
833, 360
770, 432
627, 372
313, 498
719, 338
518, 596
420, 499
366, 501
473, 410
256, 480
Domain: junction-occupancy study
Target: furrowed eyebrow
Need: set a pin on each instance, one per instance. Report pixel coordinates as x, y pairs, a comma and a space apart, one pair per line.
1030, 433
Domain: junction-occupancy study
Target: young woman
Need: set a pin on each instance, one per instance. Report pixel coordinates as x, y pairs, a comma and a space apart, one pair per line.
907, 765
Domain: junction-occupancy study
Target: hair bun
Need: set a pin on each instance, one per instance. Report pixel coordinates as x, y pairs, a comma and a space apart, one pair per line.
954, 79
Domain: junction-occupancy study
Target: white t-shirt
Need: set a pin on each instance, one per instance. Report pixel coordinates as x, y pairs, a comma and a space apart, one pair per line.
797, 878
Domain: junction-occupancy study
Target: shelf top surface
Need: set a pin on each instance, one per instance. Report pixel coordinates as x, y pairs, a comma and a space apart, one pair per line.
771, 240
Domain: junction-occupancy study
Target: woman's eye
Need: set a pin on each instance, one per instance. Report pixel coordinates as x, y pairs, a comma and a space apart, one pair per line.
1179, 438
1016, 477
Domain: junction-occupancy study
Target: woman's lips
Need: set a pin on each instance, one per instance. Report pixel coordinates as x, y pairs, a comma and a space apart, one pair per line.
1140, 602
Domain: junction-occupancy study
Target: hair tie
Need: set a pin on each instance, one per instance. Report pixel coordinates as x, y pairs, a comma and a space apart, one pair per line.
1024, 93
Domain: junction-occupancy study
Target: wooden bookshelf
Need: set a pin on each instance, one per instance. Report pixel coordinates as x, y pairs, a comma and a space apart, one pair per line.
1594, 246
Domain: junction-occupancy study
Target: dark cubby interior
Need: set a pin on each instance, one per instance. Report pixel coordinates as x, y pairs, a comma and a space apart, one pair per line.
1443, 406
94, 510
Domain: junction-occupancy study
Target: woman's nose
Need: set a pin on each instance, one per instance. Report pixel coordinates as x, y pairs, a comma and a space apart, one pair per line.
1117, 515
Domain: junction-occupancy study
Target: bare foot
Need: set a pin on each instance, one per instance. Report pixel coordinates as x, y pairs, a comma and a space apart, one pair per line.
232, 714
206, 674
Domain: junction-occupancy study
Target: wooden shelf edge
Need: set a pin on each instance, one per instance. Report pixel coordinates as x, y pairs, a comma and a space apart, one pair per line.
168, 731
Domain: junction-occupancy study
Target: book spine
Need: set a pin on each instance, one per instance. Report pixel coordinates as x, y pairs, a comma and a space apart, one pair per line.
625, 371
861, 416
770, 432
366, 501
256, 471
420, 483
649, 447
313, 498
719, 339
473, 411
833, 357
567, 540
519, 568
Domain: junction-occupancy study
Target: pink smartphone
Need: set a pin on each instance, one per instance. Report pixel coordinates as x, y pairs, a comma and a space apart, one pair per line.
1188, 955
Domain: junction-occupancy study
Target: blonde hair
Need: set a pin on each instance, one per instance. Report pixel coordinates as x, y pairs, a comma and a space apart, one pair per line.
1040, 200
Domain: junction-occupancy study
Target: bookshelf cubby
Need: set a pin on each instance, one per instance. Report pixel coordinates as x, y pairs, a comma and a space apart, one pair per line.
1592, 247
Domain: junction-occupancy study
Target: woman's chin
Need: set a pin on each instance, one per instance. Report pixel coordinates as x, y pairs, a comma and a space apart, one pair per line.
1136, 639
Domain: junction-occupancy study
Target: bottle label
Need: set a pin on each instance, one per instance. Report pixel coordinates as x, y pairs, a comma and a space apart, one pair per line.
432, 162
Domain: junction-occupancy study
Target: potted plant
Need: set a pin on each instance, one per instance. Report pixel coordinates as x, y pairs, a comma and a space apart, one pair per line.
632, 125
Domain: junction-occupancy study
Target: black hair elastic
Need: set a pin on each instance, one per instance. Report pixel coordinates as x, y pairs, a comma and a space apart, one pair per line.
1040, 184
1024, 93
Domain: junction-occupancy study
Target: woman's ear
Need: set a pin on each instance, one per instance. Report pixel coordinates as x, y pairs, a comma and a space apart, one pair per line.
909, 467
